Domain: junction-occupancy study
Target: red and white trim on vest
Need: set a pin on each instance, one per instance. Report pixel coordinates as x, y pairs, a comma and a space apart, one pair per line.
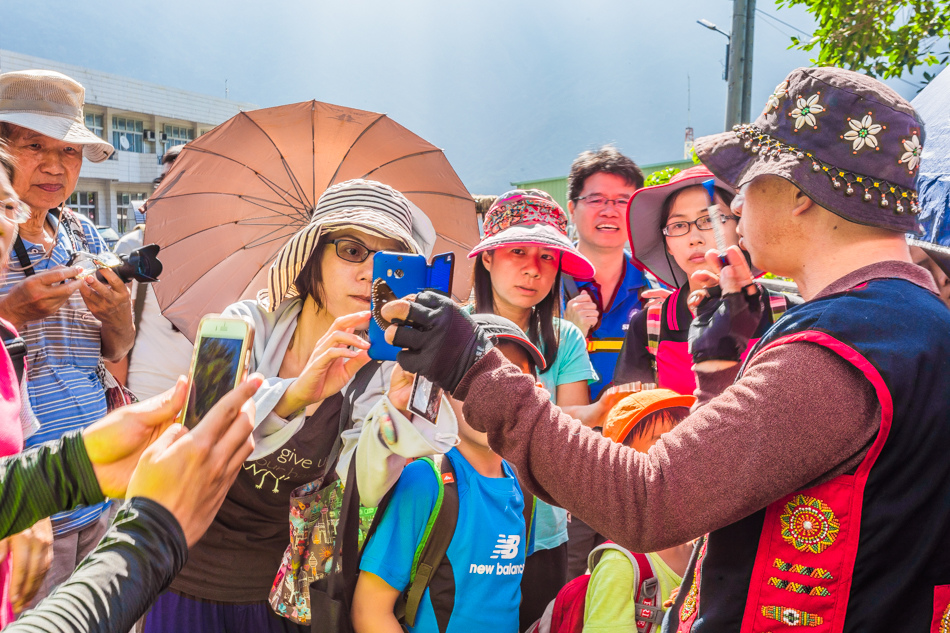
809, 542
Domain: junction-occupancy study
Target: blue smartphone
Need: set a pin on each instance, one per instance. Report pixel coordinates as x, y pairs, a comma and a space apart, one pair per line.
405, 274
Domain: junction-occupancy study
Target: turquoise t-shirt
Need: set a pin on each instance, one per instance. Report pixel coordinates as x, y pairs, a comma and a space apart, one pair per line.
572, 364
486, 554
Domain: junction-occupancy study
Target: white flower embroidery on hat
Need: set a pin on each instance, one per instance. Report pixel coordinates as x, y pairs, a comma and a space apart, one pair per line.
775, 98
806, 111
912, 154
862, 132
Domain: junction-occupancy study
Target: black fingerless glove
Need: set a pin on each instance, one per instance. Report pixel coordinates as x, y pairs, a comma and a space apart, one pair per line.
724, 324
439, 341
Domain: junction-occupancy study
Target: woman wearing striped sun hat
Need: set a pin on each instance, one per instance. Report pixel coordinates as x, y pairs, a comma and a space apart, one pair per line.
307, 345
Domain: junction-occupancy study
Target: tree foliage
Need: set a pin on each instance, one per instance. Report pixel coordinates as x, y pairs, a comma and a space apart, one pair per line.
660, 177
884, 38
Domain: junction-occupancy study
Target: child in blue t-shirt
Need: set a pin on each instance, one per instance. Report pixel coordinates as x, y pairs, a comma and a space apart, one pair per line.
485, 558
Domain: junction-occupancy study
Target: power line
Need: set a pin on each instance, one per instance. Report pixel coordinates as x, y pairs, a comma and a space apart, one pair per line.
779, 30
791, 26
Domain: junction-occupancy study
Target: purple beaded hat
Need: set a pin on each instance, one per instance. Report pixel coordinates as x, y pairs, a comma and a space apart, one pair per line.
848, 141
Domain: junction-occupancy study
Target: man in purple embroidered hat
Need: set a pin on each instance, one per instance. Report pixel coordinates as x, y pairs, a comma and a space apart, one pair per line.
818, 467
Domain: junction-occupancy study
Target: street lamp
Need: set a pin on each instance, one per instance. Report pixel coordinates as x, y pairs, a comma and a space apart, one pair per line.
712, 27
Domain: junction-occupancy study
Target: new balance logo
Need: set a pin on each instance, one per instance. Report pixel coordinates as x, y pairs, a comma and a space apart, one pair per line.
507, 546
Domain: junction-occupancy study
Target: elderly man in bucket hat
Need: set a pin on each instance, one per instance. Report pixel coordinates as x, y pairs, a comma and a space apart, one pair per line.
69, 324
819, 474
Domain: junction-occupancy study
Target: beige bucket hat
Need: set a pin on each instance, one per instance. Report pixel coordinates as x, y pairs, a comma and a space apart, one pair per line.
50, 103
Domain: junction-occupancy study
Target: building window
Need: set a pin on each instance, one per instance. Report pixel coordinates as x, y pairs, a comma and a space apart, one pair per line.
127, 134
177, 135
94, 124
85, 201
125, 214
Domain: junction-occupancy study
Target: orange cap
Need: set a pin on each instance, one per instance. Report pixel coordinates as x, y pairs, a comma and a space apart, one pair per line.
627, 413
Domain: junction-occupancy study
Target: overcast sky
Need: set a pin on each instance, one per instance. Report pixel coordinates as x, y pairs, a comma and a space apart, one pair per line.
512, 90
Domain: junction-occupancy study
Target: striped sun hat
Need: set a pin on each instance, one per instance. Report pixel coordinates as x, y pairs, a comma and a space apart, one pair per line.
364, 205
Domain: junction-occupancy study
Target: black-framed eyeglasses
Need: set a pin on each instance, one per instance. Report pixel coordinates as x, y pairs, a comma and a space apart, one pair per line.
705, 223
351, 251
597, 201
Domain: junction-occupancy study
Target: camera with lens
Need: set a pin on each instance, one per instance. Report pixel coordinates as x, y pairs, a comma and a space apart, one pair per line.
142, 264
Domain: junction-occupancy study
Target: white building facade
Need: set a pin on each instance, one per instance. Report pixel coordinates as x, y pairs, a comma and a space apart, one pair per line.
141, 120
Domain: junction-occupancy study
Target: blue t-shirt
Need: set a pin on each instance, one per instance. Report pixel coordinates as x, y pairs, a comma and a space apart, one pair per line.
486, 554
572, 364
605, 342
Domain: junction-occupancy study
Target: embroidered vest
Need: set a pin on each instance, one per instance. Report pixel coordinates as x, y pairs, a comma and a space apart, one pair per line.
865, 551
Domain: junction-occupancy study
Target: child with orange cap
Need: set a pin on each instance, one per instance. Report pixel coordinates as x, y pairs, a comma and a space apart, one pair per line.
637, 421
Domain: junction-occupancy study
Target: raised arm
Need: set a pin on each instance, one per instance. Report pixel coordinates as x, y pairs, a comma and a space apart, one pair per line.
773, 432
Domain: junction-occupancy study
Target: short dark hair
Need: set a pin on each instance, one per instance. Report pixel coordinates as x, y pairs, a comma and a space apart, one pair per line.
171, 154
309, 281
727, 197
607, 159
644, 428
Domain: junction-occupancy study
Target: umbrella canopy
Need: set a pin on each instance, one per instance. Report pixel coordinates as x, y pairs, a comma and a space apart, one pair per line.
237, 194
933, 180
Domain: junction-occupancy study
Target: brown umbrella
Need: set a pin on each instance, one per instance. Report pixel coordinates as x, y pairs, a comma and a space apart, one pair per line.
238, 193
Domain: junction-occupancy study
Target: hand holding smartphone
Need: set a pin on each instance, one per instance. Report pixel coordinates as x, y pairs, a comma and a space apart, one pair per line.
219, 364
396, 275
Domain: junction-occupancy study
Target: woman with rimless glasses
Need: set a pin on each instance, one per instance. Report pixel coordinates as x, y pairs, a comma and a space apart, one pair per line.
670, 231
308, 346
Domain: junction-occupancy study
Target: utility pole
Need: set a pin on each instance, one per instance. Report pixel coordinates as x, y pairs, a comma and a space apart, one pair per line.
739, 101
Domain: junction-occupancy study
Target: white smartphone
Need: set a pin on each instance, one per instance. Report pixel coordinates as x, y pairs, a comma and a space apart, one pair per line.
218, 365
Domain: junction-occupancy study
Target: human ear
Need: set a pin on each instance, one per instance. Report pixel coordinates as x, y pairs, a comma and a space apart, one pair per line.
802, 203
570, 209
486, 260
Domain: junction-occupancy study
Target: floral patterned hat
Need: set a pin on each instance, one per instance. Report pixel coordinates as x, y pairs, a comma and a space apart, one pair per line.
530, 217
848, 141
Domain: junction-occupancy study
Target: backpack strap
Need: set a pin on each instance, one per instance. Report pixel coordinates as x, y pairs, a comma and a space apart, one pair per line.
654, 314
569, 287
435, 541
16, 348
648, 610
350, 393
646, 587
19, 248
778, 304
530, 505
